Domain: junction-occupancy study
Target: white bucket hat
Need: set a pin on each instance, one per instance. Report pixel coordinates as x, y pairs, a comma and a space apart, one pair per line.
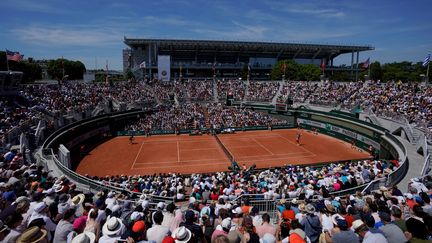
181, 235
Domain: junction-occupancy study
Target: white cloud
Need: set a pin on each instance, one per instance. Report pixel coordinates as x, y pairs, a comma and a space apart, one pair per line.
309, 9
32, 6
330, 13
66, 36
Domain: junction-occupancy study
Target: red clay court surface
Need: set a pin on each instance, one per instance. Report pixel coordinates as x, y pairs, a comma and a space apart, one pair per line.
198, 154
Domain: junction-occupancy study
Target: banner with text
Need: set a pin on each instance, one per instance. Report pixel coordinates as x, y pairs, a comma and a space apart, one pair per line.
340, 130
164, 67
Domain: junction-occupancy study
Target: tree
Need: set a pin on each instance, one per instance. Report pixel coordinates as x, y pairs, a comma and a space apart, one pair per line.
128, 75
31, 71
74, 69
309, 72
291, 70
376, 73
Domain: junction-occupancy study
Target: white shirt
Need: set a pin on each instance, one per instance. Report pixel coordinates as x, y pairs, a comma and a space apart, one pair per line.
156, 233
374, 238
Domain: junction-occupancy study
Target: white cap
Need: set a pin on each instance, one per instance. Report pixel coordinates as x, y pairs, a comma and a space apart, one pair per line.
160, 205
136, 216
226, 223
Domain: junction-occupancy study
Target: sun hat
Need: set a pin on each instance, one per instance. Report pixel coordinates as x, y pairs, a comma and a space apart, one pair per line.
310, 209
85, 237
39, 207
78, 199
237, 210
181, 234
357, 224
301, 207
112, 227
33, 234
226, 223
58, 187
330, 208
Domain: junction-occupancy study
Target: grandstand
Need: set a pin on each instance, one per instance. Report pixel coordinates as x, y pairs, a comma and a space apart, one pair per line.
78, 114
200, 58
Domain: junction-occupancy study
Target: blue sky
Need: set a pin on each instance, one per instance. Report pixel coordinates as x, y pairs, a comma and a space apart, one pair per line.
94, 30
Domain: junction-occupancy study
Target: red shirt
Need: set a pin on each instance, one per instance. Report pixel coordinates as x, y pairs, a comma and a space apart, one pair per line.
214, 196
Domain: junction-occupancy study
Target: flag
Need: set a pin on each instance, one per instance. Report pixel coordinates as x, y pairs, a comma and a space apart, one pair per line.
283, 67
13, 56
426, 60
365, 65
143, 65
323, 64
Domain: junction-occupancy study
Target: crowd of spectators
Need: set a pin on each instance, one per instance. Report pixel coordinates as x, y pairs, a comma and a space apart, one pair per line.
221, 116
13, 116
408, 99
201, 116
200, 91
333, 93
36, 207
185, 116
235, 87
298, 91
262, 91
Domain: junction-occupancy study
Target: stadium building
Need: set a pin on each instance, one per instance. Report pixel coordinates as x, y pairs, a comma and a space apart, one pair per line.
172, 59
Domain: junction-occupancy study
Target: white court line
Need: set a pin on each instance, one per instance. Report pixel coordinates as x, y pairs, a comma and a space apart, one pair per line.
136, 157
262, 146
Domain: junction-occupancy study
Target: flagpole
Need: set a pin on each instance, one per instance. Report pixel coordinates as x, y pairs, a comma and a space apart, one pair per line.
7, 60
427, 73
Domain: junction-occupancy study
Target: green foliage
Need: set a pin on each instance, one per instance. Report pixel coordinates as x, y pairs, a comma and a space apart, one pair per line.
244, 72
128, 75
309, 72
291, 70
74, 69
404, 71
31, 71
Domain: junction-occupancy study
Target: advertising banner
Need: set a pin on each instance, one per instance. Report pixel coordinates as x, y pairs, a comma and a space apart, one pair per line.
164, 68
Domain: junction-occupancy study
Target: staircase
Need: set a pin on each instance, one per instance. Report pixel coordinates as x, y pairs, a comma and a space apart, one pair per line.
281, 84
206, 118
247, 83
416, 135
215, 91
